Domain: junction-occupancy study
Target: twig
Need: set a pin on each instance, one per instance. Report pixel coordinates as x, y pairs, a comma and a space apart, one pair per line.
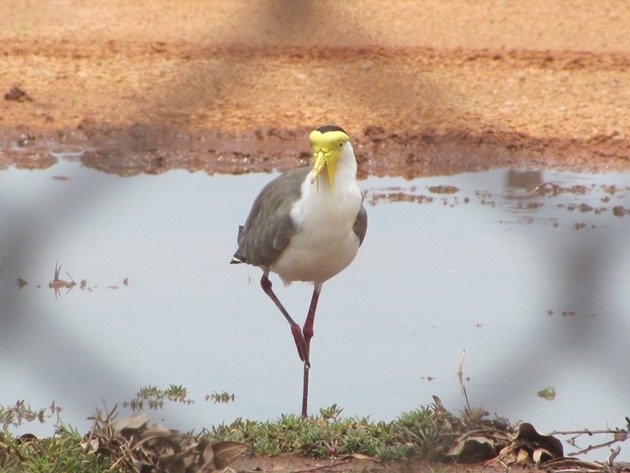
58, 283
579, 470
577, 433
323, 467
460, 375
88, 442
614, 452
595, 447
619, 435
572, 464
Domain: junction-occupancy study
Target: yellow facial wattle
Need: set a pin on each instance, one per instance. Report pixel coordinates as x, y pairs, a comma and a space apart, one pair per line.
327, 149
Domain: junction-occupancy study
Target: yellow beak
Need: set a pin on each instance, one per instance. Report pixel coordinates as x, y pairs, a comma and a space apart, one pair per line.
323, 158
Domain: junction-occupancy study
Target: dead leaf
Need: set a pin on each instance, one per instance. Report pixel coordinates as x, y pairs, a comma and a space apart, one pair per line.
474, 449
522, 457
26, 438
90, 446
541, 455
527, 433
135, 422
530, 447
156, 431
206, 453
226, 452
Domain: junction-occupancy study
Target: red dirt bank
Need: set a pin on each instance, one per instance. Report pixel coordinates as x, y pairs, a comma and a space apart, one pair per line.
437, 88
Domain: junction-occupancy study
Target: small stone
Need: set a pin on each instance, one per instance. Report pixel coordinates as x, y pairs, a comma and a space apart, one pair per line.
17, 94
619, 211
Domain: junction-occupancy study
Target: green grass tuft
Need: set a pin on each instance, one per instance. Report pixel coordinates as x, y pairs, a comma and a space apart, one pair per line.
427, 432
330, 435
62, 452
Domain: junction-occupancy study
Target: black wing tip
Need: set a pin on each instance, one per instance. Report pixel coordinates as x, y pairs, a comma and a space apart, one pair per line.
237, 258
327, 128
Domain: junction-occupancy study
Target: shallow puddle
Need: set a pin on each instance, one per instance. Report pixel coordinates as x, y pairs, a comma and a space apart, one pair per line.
527, 272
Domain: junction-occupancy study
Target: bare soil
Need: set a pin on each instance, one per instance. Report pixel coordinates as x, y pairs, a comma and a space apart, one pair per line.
433, 88
296, 463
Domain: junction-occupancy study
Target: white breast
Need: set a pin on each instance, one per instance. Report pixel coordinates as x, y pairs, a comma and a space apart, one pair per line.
325, 242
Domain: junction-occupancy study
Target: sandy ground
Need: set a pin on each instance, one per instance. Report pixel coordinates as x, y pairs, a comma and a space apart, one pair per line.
432, 87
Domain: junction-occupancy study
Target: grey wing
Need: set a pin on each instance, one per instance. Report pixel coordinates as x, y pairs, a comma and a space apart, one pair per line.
269, 227
360, 224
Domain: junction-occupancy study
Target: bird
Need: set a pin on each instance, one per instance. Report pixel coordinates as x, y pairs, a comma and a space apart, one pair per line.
307, 225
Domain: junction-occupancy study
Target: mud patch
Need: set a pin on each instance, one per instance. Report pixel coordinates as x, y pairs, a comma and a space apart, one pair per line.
153, 149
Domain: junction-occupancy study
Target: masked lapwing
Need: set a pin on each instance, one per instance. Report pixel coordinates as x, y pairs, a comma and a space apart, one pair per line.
307, 225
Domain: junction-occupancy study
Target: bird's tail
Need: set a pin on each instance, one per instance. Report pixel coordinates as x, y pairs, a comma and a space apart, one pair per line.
238, 257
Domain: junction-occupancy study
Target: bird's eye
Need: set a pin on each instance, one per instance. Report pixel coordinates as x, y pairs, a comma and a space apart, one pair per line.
341, 144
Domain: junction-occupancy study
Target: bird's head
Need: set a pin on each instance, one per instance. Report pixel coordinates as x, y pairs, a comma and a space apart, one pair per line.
328, 142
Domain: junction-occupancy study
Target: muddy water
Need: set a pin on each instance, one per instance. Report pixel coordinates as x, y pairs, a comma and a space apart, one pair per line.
534, 285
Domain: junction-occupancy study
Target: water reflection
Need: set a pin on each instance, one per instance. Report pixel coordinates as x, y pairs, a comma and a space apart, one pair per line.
518, 179
534, 301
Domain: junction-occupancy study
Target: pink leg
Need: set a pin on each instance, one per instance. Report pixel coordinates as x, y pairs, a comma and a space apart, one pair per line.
310, 318
300, 343
307, 331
